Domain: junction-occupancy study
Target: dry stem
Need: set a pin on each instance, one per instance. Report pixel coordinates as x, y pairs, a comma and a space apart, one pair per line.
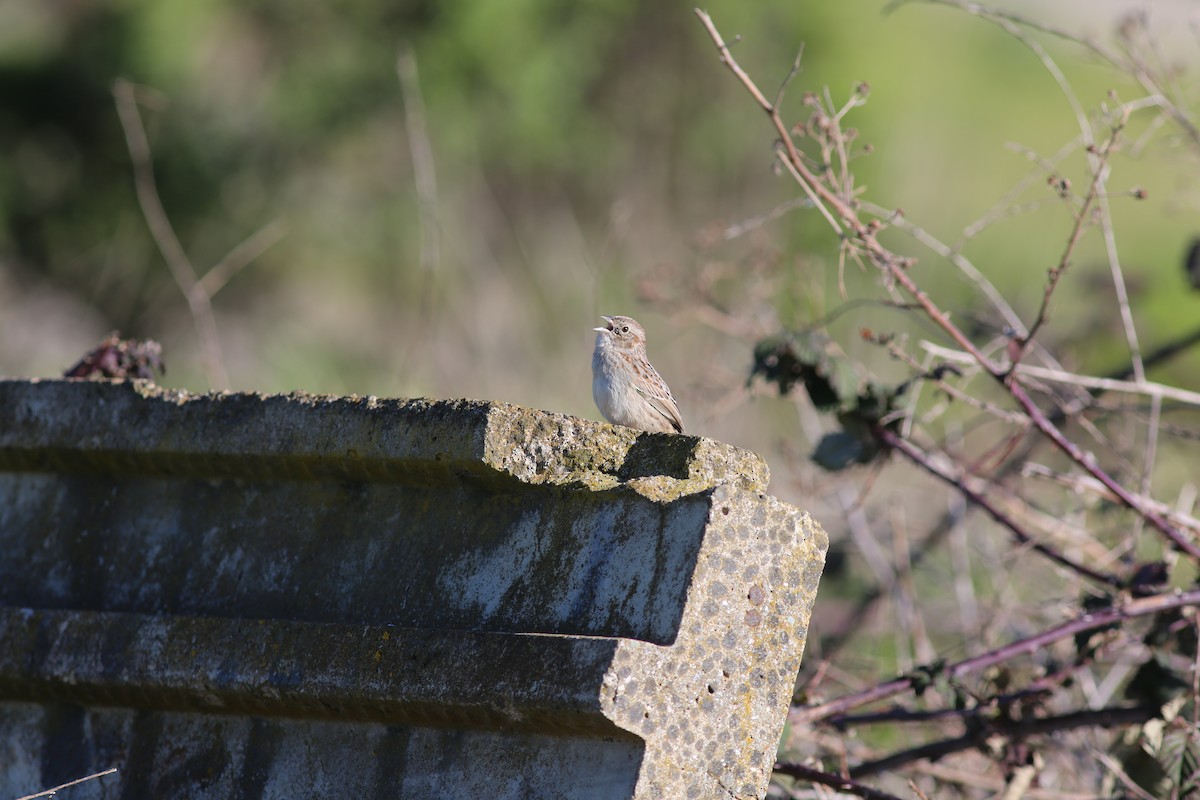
60, 787
863, 236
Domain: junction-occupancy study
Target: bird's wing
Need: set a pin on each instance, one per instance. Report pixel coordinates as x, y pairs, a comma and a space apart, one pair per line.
660, 399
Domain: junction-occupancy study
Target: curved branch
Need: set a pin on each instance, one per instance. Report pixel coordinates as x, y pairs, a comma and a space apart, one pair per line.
836, 781
921, 459
1098, 619
864, 236
1098, 718
194, 292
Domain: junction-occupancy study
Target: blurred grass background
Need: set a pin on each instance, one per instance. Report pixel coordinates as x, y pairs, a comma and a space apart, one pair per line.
581, 152
579, 148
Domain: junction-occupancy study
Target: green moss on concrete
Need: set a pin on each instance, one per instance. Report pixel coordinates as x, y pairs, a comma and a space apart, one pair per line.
138, 427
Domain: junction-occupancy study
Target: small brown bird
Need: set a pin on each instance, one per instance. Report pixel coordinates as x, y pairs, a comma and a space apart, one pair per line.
627, 389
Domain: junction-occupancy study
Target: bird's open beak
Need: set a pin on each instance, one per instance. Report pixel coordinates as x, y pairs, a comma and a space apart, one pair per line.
607, 328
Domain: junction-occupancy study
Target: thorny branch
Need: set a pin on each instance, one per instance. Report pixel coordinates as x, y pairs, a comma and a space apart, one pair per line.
1017, 26
1143, 606
828, 201
922, 459
863, 236
835, 781
1081, 216
1099, 718
826, 183
1128, 498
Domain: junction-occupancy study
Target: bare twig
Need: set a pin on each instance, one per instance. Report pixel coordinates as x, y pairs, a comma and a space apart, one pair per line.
1118, 279
1153, 604
237, 258
420, 150
921, 459
1100, 172
826, 199
1160, 390
1150, 451
955, 257
829, 779
863, 236
1127, 498
790, 166
954, 254
198, 300
424, 173
1099, 167
1088, 484
747, 225
984, 707
1097, 718
924, 372
980, 780
51, 792
1129, 783
792, 73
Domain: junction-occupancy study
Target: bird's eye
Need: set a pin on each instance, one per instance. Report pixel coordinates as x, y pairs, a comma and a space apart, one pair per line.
625, 329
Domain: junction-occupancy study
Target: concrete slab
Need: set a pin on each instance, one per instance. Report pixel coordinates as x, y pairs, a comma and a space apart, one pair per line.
464, 594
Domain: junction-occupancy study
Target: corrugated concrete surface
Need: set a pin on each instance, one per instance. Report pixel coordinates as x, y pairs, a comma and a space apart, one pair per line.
233, 595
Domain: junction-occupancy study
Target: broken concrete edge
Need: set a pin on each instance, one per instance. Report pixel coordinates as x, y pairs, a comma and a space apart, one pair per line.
139, 427
370, 673
731, 670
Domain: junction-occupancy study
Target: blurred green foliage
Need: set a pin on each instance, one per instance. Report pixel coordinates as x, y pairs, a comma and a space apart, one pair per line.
576, 146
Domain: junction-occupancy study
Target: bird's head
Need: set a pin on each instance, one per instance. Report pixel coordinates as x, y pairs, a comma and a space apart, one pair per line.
623, 332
